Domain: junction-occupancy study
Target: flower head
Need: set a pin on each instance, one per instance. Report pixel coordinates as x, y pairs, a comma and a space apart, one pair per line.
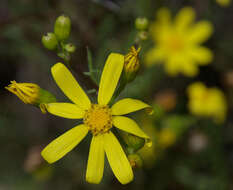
178, 42
209, 102
98, 118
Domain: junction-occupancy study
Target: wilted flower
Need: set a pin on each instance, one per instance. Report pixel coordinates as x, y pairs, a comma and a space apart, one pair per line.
27, 92
178, 42
31, 93
209, 102
98, 118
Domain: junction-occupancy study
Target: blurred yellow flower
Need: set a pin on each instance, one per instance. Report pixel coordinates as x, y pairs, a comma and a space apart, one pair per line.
209, 102
98, 118
223, 3
178, 42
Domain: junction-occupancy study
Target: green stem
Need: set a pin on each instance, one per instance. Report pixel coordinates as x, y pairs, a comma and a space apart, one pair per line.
123, 83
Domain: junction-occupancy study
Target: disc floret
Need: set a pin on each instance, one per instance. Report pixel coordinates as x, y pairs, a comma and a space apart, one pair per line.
98, 119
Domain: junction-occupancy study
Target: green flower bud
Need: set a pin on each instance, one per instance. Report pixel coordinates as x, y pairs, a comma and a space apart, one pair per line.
143, 35
135, 160
62, 27
50, 41
70, 48
141, 23
134, 143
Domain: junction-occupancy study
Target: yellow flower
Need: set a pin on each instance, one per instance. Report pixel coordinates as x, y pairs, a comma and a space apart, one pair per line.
223, 3
27, 92
178, 42
209, 102
98, 118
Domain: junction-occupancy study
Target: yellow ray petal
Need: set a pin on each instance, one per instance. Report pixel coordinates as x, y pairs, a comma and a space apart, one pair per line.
200, 32
184, 19
164, 16
95, 165
70, 86
201, 54
128, 125
162, 26
128, 105
64, 144
190, 69
155, 55
117, 159
110, 76
66, 110
172, 66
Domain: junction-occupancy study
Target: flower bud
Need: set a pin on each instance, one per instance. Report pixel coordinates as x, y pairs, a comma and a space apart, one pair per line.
70, 48
141, 23
143, 35
135, 160
131, 65
31, 93
133, 142
62, 27
50, 41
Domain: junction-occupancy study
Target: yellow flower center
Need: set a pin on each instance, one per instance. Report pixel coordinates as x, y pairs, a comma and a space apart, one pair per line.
98, 119
175, 43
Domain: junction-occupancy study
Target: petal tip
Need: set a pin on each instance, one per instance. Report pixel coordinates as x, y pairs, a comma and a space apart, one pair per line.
46, 157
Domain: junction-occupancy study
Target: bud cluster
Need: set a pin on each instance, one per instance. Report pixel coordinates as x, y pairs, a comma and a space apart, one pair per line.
141, 24
57, 40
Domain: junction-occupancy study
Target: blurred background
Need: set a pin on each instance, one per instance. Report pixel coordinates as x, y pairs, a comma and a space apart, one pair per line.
189, 152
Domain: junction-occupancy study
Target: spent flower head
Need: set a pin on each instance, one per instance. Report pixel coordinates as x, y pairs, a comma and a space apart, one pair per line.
27, 92
31, 93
